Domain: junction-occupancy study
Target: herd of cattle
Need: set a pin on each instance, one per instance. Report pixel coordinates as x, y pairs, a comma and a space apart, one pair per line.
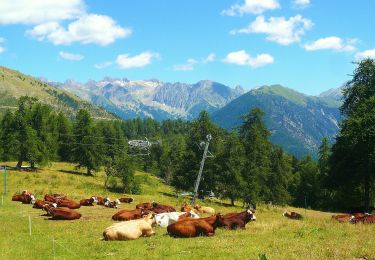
139, 221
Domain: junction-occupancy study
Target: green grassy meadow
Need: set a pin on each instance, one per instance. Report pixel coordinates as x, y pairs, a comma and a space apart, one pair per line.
273, 236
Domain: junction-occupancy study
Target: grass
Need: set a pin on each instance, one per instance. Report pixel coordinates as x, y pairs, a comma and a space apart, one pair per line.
270, 237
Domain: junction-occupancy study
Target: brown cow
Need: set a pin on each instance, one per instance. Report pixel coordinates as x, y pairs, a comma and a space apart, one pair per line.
187, 208
62, 213
68, 203
366, 219
25, 197
292, 215
40, 203
144, 205
237, 220
194, 227
88, 202
101, 200
125, 200
346, 217
53, 197
160, 208
129, 214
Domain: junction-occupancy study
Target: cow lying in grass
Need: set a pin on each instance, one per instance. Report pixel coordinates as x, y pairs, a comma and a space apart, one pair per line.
366, 219
165, 219
125, 200
53, 197
68, 203
130, 214
237, 220
130, 230
25, 197
292, 215
187, 208
106, 202
61, 213
195, 227
88, 202
202, 209
38, 204
342, 218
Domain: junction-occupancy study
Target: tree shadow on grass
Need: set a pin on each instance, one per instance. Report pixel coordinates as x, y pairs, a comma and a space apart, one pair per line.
76, 173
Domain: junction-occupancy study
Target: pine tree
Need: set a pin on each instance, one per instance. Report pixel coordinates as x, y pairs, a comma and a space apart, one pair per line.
254, 135
231, 162
352, 163
88, 148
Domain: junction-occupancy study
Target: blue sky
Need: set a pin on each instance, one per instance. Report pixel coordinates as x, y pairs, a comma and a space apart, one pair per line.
307, 45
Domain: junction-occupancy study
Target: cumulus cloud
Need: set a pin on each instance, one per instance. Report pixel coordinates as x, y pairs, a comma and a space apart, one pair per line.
39, 11
242, 58
189, 65
252, 7
331, 43
91, 28
210, 58
70, 56
103, 65
125, 61
279, 29
301, 3
366, 54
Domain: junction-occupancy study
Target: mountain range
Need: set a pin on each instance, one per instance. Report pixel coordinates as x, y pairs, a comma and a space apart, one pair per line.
153, 98
297, 121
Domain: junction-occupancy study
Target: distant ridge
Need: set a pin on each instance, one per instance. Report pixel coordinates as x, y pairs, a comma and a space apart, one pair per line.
298, 122
14, 84
153, 98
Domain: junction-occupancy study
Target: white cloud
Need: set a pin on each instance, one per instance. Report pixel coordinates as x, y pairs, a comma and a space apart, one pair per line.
70, 56
2, 49
138, 61
301, 3
103, 65
242, 58
331, 43
279, 29
39, 11
210, 58
366, 54
91, 28
189, 65
252, 6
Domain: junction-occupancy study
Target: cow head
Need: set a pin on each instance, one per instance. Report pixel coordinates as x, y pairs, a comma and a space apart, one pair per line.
118, 201
95, 199
131, 199
193, 214
154, 204
32, 198
285, 213
250, 213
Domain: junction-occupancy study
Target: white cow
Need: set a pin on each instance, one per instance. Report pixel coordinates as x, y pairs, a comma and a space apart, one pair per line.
165, 219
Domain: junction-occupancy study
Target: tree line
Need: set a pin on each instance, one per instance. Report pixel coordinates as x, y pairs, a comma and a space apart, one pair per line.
245, 167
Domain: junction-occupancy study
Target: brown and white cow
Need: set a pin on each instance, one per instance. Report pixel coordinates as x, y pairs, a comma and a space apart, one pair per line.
38, 204
366, 219
88, 202
194, 227
237, 220
292, 215
61, 213
25, 197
